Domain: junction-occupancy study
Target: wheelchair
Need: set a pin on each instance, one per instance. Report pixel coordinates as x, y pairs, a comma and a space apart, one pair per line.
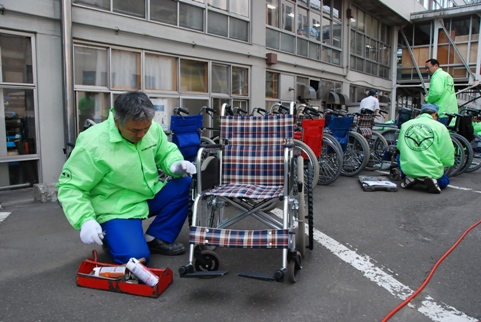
257, 162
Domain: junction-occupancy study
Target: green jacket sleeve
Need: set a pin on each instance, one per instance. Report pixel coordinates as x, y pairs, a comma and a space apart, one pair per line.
79, 175
436, 89
167, 153
446, 148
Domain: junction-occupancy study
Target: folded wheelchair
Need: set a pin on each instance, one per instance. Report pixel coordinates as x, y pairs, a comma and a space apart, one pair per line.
256, 163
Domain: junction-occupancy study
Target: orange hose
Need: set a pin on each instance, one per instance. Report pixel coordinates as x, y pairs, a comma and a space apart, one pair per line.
400, 306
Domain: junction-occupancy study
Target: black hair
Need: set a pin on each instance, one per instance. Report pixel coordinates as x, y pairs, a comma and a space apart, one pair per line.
133, 106
433, 61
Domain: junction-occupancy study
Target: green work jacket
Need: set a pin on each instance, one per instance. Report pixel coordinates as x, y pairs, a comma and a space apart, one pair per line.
441, 93
477, 128
107, 177
425, 147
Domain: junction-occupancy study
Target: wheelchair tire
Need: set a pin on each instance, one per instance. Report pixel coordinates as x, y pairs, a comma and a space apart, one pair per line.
378, 146
330, 161
468, 152
311, 158
301, 212
459, 158
356, 155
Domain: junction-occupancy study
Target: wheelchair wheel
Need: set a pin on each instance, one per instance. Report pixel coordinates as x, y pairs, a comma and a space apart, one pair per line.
356, 155
378, 147
212, 210
301, 212
310, 157
390, 136
468, 152
294, 268
459, 158
476, 163
330, 161
210, 262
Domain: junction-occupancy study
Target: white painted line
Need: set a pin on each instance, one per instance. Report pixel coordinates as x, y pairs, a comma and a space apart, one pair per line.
462, 188
3, 215
427, 306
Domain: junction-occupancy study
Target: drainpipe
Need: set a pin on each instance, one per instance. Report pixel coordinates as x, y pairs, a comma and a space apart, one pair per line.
67, 69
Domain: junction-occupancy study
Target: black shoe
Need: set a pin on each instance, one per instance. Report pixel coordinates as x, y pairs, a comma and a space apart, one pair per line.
409, 182
432, 185
158, 246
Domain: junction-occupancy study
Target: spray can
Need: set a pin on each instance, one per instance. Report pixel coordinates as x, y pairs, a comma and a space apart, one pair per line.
110, 271
142, 272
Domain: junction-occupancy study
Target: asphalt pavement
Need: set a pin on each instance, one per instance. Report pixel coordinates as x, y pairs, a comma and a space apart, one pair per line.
372, 250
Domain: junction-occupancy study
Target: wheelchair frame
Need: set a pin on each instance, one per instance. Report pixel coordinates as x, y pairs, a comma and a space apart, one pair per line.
211, 228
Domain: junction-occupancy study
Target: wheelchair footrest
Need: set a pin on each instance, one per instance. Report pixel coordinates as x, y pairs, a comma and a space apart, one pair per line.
258, 276
267, 238
206, 274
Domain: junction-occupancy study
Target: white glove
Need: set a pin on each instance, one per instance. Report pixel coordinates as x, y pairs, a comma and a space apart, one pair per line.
91, 232
181, 167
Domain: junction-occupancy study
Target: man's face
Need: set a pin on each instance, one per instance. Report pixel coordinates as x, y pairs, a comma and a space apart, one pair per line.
134, 131
430, 68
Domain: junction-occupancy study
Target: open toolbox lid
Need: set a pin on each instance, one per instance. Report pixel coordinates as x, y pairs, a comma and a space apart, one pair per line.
85, 279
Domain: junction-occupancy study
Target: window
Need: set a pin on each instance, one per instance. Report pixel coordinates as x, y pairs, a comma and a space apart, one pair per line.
163, 11
160, 72
220, 79
131, 7
90, 66
193, 76
125, 70
218, 24
303, 30
18, 124
370, 45
272, 85
191, 17
240, 81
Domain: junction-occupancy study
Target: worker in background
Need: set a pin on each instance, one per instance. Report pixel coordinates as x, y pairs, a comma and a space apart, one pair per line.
441, 90
425, 148
370, 104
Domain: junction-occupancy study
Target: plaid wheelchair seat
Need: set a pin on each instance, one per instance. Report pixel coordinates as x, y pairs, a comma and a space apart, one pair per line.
266, 238
253, 156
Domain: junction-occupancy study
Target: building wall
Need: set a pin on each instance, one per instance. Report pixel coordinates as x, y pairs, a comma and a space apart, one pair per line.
42, 18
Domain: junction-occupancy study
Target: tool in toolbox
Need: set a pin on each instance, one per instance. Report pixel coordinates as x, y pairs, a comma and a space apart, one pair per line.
85, 278
377, 183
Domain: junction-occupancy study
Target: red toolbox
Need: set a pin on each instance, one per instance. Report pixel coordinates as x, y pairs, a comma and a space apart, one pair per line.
86, 279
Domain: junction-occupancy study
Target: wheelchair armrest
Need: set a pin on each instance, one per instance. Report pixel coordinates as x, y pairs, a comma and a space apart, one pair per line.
208, 163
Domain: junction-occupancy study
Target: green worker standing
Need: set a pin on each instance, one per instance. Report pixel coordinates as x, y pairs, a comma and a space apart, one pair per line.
441, 90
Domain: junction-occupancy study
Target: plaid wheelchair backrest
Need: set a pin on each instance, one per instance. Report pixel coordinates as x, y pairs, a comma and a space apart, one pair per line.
365, 124
254, 151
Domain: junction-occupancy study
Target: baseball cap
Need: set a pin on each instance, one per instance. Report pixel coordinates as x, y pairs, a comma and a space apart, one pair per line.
429, 107
372, 92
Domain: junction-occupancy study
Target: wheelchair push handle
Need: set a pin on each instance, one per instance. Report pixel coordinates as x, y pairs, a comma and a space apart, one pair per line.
179, 111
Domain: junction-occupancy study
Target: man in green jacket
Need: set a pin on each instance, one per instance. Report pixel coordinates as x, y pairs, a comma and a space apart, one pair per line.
425, 148
441, 90
110, 183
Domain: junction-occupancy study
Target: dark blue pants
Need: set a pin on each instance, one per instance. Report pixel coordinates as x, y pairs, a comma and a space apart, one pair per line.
125, 237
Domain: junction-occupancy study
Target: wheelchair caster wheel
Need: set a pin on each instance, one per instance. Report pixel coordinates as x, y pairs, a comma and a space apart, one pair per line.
395, 174
209, 261
294, 268
185, 270
279, 275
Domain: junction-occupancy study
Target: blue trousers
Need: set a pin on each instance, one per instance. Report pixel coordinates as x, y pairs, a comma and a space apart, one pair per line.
125, 237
